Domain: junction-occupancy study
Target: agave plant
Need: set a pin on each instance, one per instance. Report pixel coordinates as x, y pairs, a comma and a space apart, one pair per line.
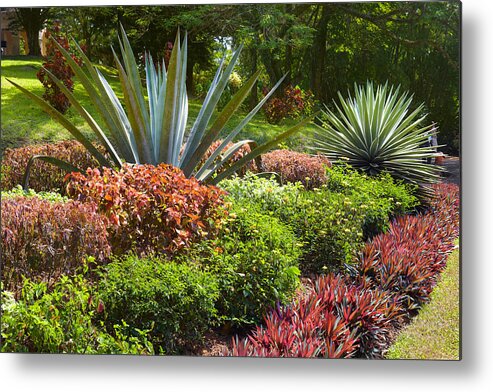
376, 132
151, 128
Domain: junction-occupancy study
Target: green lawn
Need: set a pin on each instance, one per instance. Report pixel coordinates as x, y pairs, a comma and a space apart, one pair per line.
434, 333
24, 123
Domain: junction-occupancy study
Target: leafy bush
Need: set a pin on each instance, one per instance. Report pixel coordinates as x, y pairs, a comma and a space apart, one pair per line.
50, 196
341, 316
329, 224
382, 195
45, 239
334, 319
44, 176
57, 66
295, 166
293, 103
375, 133
254, 259
62, 321
150, 208
174, 301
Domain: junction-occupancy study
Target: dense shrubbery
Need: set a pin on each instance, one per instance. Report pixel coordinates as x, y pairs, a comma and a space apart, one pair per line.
174, 301
344, 316
44, 176
334, 319
150, 208
45, 239
329, 224
63, 321
295, 166
293, 103
57, 65
254, 259
383, 196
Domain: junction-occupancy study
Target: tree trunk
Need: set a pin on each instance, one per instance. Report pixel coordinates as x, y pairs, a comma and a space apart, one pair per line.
32, 20
253, 100
318, 54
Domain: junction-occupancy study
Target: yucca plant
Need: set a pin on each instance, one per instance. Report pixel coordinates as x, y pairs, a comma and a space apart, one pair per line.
151, 128
376, 132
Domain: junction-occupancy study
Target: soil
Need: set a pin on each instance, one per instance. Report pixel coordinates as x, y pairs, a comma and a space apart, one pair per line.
452, 170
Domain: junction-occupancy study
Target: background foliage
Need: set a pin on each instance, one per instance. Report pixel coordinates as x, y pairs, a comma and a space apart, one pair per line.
415, 44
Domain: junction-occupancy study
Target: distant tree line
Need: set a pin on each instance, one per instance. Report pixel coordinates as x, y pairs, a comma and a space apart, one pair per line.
324, 47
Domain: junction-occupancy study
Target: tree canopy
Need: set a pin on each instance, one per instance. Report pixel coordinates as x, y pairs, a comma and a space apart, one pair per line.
324, 47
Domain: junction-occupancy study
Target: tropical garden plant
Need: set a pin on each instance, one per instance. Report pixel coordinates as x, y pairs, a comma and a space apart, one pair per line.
152, 129
375, 131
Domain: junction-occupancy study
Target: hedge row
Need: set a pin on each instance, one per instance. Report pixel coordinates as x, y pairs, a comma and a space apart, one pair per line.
353, 316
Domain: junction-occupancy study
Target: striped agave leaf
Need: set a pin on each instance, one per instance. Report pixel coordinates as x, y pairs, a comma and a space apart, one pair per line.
376, 132
150, 125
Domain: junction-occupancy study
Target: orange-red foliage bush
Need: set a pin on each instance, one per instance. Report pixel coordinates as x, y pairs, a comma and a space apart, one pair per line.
150, 208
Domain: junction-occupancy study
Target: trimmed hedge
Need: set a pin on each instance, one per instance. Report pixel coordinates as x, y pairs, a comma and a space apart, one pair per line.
43, 239
44, 176
292, 166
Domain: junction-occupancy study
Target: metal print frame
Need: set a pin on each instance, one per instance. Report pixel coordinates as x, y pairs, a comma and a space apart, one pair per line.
263, 180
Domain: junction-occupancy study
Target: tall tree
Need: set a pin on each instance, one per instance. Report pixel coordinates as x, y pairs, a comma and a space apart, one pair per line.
31, 20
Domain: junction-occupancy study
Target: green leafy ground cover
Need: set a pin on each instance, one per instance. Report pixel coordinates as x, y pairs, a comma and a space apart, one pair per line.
434, 333
23, 122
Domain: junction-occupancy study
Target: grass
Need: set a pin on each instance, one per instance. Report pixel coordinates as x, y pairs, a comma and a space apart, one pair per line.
24, 123
434, 333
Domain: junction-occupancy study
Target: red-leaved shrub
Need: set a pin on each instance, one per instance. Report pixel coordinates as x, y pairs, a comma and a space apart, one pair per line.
335, 319
150, 208
292, 103
244, 150
44, 176
43, 239
407, 259
58, 66
296, 166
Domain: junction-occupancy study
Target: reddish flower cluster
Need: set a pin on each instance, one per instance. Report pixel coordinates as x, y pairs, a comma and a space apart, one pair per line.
42, 239
293, 103
150, 208
341, 317
295, 166
44, 176
58, 66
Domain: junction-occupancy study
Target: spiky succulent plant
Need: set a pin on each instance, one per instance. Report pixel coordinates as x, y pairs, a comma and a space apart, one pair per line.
375, 131
150, 126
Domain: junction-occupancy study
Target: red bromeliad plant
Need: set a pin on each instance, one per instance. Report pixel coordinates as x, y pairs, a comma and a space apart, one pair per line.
407, 259
150, 208
57, 65
335, 319
339, 318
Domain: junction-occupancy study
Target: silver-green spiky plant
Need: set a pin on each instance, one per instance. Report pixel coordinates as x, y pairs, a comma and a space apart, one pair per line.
375, 131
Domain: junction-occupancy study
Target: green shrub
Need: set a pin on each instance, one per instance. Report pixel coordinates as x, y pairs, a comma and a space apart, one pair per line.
255, 260
383, 196
329, 224
63, 321
174, 301
50, 196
